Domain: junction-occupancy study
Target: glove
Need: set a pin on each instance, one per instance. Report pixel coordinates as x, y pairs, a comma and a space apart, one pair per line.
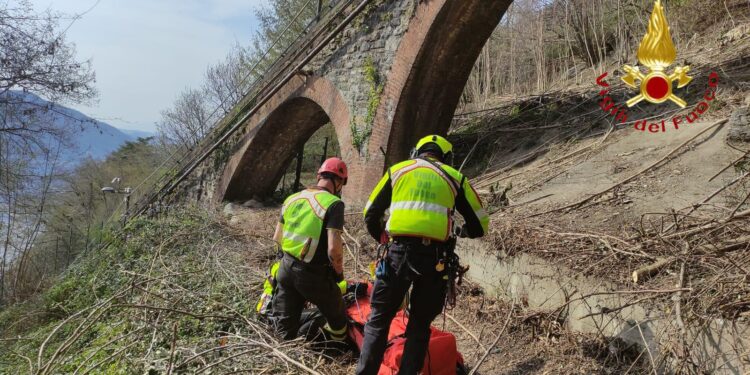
342, 286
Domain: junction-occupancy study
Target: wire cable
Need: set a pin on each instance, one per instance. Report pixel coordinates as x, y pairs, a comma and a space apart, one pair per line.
167, 188
242, 82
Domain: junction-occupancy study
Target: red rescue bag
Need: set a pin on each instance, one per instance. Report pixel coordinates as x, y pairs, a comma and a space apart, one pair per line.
442, 356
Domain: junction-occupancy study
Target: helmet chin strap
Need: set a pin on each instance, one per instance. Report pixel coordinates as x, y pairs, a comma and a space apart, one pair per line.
337, 192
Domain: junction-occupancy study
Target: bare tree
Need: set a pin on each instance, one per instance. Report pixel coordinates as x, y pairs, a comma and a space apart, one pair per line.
36, 58
189, 119
539, 43
196, 110
228, 81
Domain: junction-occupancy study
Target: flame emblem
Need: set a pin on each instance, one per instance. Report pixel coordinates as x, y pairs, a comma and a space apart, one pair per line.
657, 53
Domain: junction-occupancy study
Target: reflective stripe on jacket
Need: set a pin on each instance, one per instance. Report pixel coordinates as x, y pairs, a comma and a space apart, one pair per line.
303, 214
423, 197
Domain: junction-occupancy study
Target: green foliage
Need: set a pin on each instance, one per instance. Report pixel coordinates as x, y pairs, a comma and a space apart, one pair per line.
173, 253
78, 217
361, 132
359, 136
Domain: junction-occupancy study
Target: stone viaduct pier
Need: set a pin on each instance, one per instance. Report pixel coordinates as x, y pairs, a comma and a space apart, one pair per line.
392, 75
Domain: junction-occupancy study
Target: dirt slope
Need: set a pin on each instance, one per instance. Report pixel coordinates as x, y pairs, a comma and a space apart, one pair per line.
676, 184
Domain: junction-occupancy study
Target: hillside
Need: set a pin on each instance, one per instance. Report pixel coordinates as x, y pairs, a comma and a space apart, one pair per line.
82, 135
189, 308
612, 249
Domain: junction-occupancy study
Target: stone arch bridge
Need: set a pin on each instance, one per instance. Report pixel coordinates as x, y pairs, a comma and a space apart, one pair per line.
393, 75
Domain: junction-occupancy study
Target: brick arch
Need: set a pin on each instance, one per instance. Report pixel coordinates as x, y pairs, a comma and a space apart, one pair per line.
274, 134
431, 68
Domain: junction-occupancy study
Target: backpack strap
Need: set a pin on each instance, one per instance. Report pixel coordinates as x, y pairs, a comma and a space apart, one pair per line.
459, 187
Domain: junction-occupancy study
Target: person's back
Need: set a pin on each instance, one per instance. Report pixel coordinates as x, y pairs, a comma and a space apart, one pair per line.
304, 219
309, 235
422, 195
423, 198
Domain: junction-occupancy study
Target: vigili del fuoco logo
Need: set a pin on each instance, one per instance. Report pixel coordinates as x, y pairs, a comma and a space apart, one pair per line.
653, 80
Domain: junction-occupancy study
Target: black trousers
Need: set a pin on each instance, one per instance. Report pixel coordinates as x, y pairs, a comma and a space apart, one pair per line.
409, 264
297, 283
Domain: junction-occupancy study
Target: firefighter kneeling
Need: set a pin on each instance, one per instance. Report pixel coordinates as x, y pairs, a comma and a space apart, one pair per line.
311, 269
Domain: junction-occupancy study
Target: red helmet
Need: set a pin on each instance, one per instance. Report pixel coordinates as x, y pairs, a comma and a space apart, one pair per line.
335, 166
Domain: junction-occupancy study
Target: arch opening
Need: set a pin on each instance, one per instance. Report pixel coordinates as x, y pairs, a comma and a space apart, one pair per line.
299, 124
321, 145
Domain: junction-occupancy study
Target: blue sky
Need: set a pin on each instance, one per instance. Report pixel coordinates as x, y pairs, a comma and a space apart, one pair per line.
145, 52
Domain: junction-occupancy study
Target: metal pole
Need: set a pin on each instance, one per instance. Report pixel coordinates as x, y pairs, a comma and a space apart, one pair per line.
127, 210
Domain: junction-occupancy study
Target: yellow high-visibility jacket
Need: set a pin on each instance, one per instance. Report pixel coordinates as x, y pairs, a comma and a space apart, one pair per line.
304, 213
421, 195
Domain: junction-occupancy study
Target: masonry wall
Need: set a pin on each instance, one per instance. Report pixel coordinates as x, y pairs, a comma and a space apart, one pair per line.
368, 45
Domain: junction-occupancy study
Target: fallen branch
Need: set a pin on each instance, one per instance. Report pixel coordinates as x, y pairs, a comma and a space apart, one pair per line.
355, 256
607, 310
111, 356
735, 244
708, 226
105, 345
159, 308
170, 364
729, 166
708, 198
209, 366
465, 330
678, 301
499, 334
647, 271
285, 357
217, 348
519, 204
739, 205
469, 154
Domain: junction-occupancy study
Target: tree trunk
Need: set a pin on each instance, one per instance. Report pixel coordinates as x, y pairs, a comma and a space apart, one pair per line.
298, 172
70, 247
325, 151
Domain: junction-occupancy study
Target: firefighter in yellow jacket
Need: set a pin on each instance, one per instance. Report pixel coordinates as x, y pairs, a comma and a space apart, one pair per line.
422, 194
311, 270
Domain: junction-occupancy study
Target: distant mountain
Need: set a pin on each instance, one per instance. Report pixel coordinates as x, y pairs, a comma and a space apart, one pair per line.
137, 133
83, 136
